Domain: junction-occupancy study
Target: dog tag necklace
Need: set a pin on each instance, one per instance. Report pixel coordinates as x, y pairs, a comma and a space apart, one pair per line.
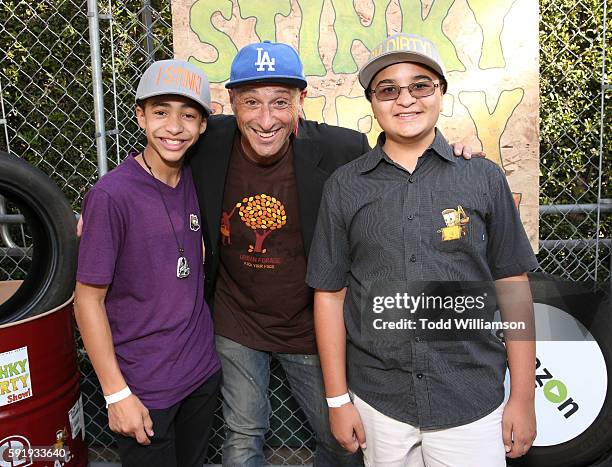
182, 267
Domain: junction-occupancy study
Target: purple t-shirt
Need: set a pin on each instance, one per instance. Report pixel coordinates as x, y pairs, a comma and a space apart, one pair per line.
162, 328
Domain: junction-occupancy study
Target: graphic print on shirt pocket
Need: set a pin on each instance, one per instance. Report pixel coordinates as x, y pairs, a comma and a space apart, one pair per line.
458, 221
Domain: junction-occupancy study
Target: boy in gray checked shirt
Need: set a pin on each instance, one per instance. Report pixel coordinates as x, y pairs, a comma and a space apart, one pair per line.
409, 211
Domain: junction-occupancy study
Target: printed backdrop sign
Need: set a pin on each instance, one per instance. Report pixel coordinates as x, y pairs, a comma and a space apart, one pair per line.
490, 49
14, 376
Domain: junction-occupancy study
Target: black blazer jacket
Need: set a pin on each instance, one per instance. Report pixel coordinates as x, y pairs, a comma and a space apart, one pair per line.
318, 149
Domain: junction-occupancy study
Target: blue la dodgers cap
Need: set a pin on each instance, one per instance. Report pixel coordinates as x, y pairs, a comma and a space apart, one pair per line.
267, 62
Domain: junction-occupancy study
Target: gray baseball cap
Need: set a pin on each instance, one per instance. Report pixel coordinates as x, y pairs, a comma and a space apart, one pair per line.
399, 48
176, 77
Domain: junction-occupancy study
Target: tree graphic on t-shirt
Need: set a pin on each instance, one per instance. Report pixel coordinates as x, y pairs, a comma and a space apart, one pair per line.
263, 214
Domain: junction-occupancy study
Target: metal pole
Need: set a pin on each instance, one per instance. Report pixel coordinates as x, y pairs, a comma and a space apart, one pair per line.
574, 244
98, 93
148, 24
604, 206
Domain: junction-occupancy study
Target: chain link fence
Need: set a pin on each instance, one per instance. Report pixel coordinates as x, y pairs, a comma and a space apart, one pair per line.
47, 105
575, 142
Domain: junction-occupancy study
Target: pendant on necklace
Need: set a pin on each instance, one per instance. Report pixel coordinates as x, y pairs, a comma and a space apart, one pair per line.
182, 268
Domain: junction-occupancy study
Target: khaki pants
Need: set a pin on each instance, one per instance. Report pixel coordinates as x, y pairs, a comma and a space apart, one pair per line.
391, 443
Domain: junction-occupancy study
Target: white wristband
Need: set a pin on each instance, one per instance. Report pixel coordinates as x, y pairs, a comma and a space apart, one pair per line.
118, 396
338, 401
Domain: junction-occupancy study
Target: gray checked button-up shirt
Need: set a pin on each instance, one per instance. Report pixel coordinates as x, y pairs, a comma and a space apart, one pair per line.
379, 223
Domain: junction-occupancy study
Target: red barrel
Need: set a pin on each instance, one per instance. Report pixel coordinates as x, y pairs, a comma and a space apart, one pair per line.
41, 409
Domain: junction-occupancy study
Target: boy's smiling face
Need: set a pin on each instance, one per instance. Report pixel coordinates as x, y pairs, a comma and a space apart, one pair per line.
407, 119
172, 125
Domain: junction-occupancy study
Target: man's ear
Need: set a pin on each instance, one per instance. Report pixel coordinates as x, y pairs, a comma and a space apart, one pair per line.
232, 99
303, 93
203, 125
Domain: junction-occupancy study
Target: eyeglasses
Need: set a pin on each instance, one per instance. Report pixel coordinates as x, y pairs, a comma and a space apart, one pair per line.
390, 92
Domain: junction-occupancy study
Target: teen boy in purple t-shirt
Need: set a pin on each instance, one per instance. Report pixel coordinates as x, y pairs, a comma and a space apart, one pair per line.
139, 298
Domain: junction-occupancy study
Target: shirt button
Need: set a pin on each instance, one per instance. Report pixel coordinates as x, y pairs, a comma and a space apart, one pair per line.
419, 375
413, 258
410, 217
418, 339
411, 180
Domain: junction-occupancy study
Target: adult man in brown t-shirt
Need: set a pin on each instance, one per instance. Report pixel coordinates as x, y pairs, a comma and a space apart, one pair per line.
259, 176
261, 299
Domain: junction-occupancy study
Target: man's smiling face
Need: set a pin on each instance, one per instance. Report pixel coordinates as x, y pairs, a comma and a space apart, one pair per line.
266, 117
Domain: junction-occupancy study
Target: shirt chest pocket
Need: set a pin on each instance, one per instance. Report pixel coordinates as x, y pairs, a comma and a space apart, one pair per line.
458, 221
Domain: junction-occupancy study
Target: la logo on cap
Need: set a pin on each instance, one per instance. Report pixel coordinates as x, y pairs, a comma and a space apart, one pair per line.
263, 59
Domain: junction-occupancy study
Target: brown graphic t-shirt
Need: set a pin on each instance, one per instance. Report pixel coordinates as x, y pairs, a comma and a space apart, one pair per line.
261, 299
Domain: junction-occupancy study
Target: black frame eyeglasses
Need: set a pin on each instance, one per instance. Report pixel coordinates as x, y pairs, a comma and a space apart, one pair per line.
418, 90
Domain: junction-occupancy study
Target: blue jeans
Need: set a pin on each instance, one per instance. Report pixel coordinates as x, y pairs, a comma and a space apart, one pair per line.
246, 407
